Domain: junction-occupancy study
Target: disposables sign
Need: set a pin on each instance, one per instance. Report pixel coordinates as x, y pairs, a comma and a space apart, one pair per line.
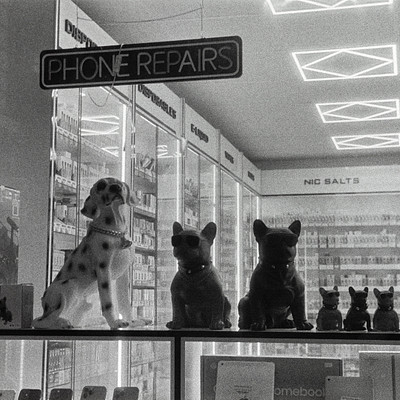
184, 60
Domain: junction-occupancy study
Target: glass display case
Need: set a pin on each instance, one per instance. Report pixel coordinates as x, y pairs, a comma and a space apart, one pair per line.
77, 360
91, 141
250, 212
199, 190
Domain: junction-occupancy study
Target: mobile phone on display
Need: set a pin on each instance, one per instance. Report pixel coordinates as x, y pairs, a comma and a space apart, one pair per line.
126, 393
30, 394
94, 393
60, 394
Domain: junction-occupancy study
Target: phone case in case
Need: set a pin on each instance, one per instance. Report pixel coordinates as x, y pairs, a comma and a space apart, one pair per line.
126, 393
94, 393
245, 380
60, 394
7, 394
30, 394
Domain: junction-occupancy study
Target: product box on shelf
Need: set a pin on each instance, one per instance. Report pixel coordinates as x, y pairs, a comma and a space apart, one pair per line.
384, 370
16, 306
349, 387
294, 376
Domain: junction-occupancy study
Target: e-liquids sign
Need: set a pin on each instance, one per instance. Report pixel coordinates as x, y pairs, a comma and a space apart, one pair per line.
213, 58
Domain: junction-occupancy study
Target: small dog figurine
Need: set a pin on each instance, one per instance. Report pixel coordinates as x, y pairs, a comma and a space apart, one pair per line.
329, 318
276, 289
357, 315
198, 300
385, 317
104, 254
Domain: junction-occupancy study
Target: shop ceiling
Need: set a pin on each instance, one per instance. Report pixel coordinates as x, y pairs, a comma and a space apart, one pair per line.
312, 71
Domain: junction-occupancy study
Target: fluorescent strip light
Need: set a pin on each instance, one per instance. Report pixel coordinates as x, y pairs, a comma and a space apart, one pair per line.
113, 150
363, 142
93, 132
103, 119
349, 63
301, 6
359, 111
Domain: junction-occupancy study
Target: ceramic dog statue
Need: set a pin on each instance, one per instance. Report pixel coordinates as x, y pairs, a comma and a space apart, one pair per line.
276, 289
198, 300
329, 318
103, 255
357, 317
385, 317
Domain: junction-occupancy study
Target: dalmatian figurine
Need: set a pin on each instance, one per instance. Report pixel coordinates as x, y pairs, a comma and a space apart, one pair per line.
103, 255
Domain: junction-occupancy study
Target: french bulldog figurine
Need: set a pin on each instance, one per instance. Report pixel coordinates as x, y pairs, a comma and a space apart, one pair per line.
357, 316
385, 317
198, 300
329, 318
276, 289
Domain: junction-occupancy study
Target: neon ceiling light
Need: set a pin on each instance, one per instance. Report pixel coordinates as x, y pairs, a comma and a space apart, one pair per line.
96, 125
359, 111
350, 63
301, 6
367, 142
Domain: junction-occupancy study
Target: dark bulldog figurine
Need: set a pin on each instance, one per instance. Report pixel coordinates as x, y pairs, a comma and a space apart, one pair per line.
357, 317
276, 289
198, 300
329, 318
385, 317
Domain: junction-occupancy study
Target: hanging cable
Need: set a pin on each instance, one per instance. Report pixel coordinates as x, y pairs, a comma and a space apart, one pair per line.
142, 21
115, 72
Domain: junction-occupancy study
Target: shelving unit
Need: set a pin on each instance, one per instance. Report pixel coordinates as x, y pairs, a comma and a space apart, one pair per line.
341, 245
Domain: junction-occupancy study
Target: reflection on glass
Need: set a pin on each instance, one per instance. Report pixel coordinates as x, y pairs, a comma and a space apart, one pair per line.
9, 234
144, 220
249, 244
207, 192
191, 191
168, 162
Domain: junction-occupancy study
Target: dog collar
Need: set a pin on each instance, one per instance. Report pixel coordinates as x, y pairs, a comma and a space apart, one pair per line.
330, 307
109, 232
360, 308
273, 266
192, 270
119, 234
390, 308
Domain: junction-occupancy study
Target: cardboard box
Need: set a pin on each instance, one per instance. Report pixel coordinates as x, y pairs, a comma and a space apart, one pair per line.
16, 306
384, 370
295, 377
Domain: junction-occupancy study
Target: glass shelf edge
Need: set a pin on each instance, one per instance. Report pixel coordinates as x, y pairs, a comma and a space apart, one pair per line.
333, 337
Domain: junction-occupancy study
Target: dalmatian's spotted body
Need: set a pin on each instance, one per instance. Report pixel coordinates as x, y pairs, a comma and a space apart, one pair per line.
102, 256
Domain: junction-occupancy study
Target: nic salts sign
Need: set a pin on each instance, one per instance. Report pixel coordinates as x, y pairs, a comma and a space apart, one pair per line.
331, 180
213, 58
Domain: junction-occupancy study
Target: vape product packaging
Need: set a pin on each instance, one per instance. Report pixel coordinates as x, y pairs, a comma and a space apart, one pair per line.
384, 370
238, 380
348, 387
296, 377
16, 306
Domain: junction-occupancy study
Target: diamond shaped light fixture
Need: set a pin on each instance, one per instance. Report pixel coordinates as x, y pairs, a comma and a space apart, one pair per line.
349, 63
359, 111
370, 141
301, 6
